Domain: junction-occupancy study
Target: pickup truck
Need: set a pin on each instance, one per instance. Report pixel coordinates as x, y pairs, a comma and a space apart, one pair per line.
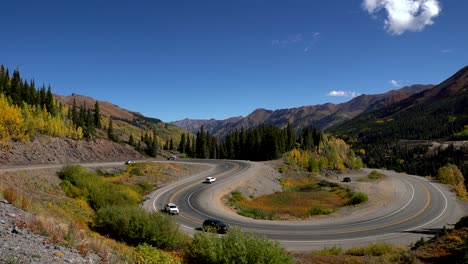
210, 179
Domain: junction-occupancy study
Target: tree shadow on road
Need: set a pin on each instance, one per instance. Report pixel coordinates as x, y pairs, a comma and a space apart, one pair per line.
426, 231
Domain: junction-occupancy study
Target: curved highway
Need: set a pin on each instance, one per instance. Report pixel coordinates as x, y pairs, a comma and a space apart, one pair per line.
421, 208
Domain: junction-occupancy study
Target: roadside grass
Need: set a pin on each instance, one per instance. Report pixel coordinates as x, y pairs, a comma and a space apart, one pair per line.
304, 197
328, 251
68, 220
373, 176
380, 252
286, 205
375, 249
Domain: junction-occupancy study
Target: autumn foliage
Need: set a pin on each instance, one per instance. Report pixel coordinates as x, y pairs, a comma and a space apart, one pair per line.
334, 155
27, 111
451, 175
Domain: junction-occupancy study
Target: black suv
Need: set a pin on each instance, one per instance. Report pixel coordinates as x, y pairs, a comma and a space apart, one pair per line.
215, 225
347, 179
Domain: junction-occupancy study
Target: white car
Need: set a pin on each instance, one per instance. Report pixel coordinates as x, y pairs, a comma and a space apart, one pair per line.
210, 179
130, 162
171, 208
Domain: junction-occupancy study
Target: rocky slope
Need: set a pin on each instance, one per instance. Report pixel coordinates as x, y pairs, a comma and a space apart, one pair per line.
19, 245
48, 150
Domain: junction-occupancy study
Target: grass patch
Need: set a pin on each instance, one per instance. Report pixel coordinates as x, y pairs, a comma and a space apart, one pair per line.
319, 210
236, 198
305, 197
328, 251
257, 213
285, 205
377, 249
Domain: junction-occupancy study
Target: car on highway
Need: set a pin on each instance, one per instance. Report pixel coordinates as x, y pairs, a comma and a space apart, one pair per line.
210, 179
129, 162
171, 208
346, 179
173, 157
215, 225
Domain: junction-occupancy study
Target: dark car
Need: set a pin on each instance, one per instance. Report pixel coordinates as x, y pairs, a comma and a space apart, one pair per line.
346, 179
215, 225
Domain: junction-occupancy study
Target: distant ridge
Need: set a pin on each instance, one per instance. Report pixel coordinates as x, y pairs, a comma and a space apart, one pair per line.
320, 116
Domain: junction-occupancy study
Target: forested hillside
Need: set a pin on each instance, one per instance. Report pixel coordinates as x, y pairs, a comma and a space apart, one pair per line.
314, 150
403, 136
28, 110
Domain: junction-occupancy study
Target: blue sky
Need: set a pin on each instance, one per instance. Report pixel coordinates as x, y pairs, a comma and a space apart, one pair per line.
217, 59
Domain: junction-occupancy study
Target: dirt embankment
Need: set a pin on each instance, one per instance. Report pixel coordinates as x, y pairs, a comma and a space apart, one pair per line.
48, 150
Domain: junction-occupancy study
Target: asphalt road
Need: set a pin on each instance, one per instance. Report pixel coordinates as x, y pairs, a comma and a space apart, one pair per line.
421, 208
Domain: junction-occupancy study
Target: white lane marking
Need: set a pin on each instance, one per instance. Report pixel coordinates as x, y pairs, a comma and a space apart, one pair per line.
441, 213
377, 236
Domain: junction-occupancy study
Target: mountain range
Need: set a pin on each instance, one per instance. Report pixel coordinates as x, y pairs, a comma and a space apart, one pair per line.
320, 116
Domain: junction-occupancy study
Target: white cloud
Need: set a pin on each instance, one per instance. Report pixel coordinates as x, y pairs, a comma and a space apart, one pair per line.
394, 83
405, 15
343, 93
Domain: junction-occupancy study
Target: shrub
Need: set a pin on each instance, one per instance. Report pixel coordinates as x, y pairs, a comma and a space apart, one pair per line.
375, 175
328, 251
377, 249
421, 242
147, 254
319, 210
256, 213
78, 182
136, 171
145, 187
451, 175
135, 226
10, 195
357, 198
236, 198
234, 247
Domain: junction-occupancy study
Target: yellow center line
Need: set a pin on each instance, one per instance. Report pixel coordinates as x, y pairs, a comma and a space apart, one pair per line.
426, 205
171, 199
376, 227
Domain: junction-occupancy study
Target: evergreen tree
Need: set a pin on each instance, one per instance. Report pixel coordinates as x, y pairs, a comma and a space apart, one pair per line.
49, 102
97, 115
171, 144
182, 143
131, 141
110, 130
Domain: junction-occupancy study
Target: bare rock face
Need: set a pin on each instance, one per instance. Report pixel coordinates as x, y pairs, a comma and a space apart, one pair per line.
49, 150
19, 245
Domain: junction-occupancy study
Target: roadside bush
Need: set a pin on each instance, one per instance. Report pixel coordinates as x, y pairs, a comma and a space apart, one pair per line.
451, 175
357, 198
236, 198
256, 213
135, 226
146, 254
78, 182
145, 187
234, 247
375, 175
319, 210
